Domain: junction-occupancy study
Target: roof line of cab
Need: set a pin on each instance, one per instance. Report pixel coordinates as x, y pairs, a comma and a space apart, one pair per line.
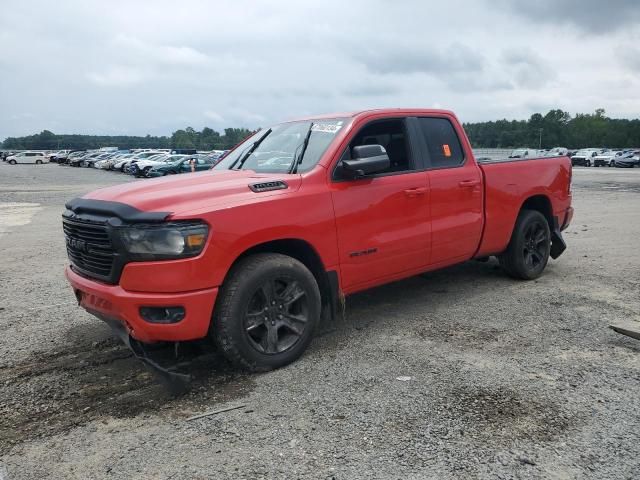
363, 113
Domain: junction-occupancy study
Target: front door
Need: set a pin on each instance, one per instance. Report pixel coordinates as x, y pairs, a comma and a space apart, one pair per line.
382, 221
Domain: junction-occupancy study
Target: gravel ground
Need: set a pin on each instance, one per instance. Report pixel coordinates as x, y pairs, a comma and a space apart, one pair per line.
461, 373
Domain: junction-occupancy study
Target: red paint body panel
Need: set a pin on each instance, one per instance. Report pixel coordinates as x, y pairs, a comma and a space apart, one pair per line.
370, 231
117, 303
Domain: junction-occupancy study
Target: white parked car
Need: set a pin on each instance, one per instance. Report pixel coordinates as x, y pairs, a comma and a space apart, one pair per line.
524, 153
124, 164
557, 152
585, 157
142, 167
606, 159
26, 157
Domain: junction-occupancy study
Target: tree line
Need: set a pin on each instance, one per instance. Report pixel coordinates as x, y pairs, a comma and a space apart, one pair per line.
207, 139
556, 128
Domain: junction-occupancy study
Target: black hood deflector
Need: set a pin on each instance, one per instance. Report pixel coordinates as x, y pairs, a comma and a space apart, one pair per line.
104, 208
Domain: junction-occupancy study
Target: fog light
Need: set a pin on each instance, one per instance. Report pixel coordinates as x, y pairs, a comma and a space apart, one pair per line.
162, 314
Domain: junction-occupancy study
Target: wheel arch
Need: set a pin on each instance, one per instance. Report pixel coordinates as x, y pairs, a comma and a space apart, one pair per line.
305, 253
542, 204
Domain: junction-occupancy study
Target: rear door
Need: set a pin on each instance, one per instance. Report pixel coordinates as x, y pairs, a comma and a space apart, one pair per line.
382, 220
456, 200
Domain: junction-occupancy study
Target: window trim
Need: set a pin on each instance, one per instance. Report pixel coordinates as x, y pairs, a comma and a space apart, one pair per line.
414, 159
424, 146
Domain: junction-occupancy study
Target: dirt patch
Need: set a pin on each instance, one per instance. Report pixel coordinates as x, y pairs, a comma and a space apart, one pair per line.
49, 394
458, 333
503, 415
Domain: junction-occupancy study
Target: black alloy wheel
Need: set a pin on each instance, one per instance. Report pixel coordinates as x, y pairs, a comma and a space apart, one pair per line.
535, 244
277, 315
266, 311
528, 252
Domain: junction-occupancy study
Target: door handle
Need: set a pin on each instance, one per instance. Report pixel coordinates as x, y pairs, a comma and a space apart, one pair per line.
469, 183
414, 192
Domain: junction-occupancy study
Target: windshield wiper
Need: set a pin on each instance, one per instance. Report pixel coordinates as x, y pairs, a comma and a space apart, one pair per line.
243, 158
297, 160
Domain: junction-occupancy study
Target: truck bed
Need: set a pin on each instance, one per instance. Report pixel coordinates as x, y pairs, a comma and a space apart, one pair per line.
509, 183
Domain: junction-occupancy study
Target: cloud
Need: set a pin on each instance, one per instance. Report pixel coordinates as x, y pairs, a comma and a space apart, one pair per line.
595, 17
149, 67
211, 115
116, 76
630, 58
527, 68
166, 55
406, 60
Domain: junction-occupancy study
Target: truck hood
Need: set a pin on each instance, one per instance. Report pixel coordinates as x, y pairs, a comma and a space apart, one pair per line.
180, 194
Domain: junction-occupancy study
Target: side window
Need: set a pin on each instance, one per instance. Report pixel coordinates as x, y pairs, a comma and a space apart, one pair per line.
442, 141
391, 134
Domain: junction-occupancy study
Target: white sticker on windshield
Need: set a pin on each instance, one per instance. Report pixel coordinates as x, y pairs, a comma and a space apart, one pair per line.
326, 127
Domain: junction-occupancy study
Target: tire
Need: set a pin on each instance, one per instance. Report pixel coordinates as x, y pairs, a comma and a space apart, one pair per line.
12, 162
248, 326
38, 162
528, 252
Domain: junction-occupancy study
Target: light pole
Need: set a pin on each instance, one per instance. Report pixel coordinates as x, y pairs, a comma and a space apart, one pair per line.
540, 142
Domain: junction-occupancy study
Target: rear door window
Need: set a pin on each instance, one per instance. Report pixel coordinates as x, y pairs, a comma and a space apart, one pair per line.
442, 142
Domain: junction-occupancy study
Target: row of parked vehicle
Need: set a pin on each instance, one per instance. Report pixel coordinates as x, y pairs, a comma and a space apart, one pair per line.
586, 157
597, 157
141, 162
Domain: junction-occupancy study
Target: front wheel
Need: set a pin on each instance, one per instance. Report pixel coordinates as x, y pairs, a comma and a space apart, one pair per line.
38, 162
12, 162
528, 252
266, 312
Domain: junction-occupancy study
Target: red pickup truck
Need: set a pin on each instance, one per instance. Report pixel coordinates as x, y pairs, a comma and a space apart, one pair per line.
256, 252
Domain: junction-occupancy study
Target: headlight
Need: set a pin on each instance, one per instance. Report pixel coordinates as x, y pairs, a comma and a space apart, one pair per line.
164, 241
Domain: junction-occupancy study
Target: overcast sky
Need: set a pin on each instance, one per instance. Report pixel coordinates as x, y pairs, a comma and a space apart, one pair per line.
138, 67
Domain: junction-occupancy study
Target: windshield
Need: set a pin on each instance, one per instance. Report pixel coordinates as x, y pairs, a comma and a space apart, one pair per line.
283, 143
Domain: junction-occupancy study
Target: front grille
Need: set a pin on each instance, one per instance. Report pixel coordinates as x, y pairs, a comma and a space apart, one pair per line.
89, 248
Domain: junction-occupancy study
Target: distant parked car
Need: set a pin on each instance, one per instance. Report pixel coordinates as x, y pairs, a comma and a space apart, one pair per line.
182, 166
79, 160
606, 159
628, 160
524, 153
557, 152
26, 157
184, 151
584, 157
53, 156
71, 156
141, 168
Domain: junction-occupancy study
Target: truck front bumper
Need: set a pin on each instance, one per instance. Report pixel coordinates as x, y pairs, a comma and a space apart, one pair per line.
112, 303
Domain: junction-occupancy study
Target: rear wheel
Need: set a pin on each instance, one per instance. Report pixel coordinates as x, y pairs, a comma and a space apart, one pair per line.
528, 252
267, 311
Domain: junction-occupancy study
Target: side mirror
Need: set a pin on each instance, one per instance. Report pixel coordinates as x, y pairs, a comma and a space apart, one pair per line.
367, 159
